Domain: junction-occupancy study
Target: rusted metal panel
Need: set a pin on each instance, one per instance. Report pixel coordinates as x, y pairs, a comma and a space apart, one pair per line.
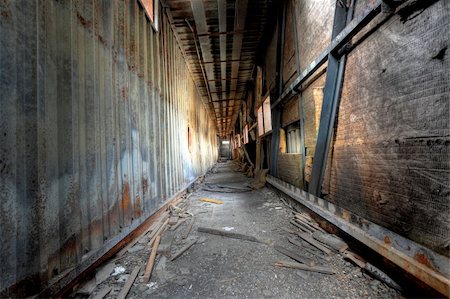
92, 138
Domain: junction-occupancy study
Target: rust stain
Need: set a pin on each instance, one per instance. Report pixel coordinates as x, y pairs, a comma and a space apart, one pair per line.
387, 240
126, 202
123, 93
102, 40
137, 207
144, 185
131, 68
85, 23
423, 259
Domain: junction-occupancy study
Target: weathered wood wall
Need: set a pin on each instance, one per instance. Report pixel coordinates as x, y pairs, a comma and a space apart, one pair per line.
390, 157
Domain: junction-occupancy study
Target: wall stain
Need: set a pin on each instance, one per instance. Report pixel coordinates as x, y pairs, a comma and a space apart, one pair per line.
85, 23
125, 200
137, 207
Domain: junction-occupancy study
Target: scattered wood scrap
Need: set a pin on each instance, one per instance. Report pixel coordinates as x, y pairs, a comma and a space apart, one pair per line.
189, 228
294, 256
330, 240
210, 200
178, 224
301, 226
129, 283
349, 256
313, 242
151, 260
306, 224
307, 220
299, 266
226, 188
157, 232
232, 235
312, 252
152, 228
183, 249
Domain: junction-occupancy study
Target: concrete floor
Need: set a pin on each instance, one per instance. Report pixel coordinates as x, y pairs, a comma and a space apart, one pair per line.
221, 267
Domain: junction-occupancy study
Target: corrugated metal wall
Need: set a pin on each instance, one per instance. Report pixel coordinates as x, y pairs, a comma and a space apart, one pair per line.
94, 116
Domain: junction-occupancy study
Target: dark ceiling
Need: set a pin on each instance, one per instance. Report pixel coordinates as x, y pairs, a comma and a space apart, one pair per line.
220, 39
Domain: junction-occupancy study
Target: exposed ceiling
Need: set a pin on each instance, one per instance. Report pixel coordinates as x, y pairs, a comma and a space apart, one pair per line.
220, 39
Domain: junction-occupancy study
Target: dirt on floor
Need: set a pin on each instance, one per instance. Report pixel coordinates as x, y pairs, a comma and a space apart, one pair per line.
223, 267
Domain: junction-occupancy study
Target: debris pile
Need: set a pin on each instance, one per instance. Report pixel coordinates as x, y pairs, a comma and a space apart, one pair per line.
310, 239
157, 242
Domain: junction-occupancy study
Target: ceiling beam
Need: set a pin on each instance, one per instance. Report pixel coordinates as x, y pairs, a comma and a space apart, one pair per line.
239, 25
222, 7
198, 11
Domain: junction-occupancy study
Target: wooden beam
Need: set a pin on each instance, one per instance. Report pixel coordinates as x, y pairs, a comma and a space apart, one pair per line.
151, 260
129, 283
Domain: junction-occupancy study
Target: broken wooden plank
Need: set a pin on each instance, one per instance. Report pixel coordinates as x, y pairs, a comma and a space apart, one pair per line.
306, 223
157, 232
129, 283
178, 224
188, 230
210, 200
103, 293
232, 235
308, 238
334, 242
294, 256
305, 226
295, 265
309, 221
303, 229
312, 252
348, 255
151, 260
183, 249
152, 228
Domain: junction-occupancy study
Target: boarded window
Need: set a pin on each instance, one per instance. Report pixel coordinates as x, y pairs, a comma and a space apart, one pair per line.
238, 140
267, 115
246, 134
260, 121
